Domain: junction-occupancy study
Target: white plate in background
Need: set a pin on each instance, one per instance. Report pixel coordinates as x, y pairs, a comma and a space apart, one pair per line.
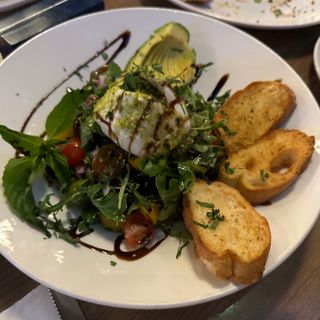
316, 57
276, 14
158, 280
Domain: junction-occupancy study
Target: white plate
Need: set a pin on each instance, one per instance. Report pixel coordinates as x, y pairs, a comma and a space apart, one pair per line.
6, 5
276, 14
316, 57
158, 280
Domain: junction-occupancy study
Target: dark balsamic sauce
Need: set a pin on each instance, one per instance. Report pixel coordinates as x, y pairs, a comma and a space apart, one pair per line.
117, 251
134, 254
123, 37
218, 87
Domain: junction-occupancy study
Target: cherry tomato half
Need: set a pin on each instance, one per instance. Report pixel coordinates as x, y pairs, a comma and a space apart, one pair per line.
138, 230
73, 152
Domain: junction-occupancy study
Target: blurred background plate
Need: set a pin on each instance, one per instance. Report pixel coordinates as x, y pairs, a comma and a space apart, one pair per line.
276, 14
316, 57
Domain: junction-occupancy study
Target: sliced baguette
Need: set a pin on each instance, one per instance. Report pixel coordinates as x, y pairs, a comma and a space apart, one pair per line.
265, 169
239, 246
253, 112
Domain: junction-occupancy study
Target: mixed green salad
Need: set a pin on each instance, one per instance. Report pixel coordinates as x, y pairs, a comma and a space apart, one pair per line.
122, 150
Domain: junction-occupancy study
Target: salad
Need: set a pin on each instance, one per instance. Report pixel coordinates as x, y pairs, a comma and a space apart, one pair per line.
122, 150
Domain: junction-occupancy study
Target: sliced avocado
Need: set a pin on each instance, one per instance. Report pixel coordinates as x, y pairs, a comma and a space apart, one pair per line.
169, 47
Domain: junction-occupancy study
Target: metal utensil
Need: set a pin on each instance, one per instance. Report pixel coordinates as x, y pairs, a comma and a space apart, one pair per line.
33, 19
67, 307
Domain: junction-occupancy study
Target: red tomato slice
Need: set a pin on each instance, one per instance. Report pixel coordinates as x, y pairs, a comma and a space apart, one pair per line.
138, 230
73, 152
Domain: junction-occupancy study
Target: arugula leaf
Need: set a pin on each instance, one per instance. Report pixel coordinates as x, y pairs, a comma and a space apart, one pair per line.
152, 167
59, 165
130, 82
18, 191
89, 216
170, 194
106, 204
65, 112
26, 144
186, 175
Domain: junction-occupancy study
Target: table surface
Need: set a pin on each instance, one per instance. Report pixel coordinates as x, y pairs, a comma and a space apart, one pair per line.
290, 292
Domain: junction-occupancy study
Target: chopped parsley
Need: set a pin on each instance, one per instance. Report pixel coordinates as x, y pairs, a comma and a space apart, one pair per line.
113, 263
78, 74
104, 56
214, 216
277, 13
182, 244
130, 82
264, 175
110, 115
229, 170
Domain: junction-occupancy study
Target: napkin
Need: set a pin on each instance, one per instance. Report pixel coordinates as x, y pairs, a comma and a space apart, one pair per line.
37, 304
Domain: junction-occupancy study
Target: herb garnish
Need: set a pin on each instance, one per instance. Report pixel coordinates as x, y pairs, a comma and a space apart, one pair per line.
229, 170
181, 246
277, 13
214, 216
263, 175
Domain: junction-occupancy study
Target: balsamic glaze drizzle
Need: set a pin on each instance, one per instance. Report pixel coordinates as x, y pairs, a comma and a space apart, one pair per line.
218, 87
124, 37
117, 251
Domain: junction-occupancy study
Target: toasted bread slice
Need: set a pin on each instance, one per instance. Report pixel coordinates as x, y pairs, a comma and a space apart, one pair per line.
253, 112
239, 245
265, 169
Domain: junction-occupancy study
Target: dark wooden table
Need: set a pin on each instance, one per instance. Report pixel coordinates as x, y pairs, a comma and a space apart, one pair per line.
291, 292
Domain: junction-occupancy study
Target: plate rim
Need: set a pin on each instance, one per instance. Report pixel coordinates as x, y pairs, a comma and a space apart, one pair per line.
199, 300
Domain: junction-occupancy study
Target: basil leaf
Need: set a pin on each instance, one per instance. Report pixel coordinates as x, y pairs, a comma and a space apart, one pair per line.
26, 144
86, 134
65, 112
114, 70
18, 191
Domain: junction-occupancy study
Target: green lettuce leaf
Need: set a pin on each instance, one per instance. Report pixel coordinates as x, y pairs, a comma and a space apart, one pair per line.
170, 194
